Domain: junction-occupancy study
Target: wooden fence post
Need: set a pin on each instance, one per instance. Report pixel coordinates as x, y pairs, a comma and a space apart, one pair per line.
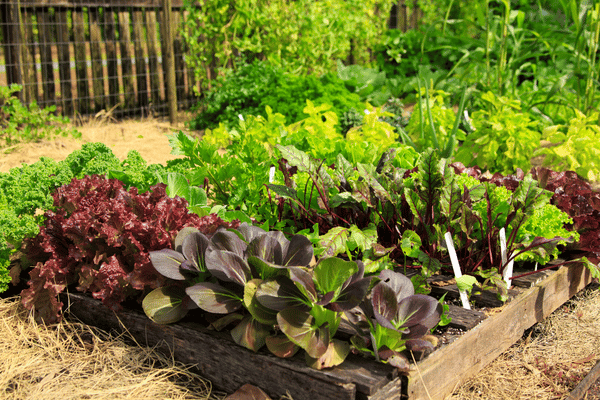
9, 17
170, 61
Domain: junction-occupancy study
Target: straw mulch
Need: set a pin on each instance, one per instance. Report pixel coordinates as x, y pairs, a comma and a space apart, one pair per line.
74, 361
549, 361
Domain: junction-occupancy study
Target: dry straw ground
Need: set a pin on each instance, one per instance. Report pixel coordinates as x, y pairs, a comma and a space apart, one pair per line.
73, 361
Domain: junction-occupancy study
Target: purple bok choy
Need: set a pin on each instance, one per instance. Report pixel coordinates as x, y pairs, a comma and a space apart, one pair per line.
394, 319
184, 266
310, 303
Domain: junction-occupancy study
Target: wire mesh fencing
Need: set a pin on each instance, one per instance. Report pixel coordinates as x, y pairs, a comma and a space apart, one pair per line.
88, 56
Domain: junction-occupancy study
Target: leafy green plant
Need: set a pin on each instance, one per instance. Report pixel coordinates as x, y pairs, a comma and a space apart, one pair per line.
99, 236
441, 131
26, 191
28, 123
438, 201
575, 146
251, 88
368, 83
500, 129
302, 37
395, 319
258, 271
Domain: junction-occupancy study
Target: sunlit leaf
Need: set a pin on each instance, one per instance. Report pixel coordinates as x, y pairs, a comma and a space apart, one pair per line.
164, 305
261, 313
281, 346
336, 353
167, 262
214, 298
250, 333
299, 326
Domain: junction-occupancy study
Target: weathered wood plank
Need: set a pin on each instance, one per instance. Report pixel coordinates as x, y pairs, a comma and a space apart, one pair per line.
96, 53
169, 59
112, 64
464, 319
64, 60
226, 364
154, 69
530, 280
178, 49
126, 59
9, 21
139, 38
460, 360
45, 35
83, 86
102, 3
29, 74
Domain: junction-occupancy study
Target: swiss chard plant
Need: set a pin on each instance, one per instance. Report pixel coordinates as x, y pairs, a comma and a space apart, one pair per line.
439, 202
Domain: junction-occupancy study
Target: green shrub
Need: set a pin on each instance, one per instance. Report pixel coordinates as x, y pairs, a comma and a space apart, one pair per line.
20, 123
249, 89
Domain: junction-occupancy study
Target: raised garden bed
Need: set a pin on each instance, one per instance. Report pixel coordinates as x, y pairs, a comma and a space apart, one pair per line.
471, 342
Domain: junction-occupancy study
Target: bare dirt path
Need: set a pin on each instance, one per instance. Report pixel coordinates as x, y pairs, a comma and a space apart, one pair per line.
148, 137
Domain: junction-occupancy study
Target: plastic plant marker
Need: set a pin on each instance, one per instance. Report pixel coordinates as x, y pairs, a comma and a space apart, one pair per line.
508, 270
456, 267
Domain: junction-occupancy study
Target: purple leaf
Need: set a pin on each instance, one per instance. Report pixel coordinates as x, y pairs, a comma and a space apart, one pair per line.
167, 263
214, 298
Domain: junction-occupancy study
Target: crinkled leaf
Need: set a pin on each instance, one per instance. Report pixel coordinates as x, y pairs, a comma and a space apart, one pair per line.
167, 262
297, 158
367, 172
214, 298
334, 241
299, 326
336, 353
250, 333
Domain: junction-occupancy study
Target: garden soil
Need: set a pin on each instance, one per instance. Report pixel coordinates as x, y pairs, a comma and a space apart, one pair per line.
547, 363
148, 137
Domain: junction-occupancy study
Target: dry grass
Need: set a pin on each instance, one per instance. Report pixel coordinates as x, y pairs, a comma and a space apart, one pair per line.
549, 361
74, 361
